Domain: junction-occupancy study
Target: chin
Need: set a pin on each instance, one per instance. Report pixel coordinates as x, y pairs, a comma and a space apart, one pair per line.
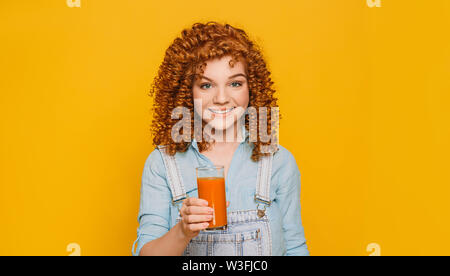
220, 126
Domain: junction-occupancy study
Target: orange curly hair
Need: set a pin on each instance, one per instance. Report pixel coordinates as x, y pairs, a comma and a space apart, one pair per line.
185, 57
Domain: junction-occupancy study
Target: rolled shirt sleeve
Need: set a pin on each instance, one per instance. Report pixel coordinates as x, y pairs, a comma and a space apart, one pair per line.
154, 207
288, 196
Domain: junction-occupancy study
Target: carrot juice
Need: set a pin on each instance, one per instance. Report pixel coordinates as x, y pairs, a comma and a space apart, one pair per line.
212, 189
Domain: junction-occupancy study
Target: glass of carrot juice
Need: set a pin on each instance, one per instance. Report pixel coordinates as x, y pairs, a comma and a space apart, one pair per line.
211, 187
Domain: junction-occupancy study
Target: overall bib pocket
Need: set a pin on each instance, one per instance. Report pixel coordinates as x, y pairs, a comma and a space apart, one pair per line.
237, 244
247, 235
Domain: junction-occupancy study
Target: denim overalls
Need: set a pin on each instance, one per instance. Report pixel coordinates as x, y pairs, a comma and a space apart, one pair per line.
248, 232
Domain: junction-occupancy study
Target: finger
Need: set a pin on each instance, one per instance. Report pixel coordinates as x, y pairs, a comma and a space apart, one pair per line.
228, 204
194, 227
195, 201
197, 218
197, 210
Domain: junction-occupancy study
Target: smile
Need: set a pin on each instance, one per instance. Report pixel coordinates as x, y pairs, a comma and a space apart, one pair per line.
215, 111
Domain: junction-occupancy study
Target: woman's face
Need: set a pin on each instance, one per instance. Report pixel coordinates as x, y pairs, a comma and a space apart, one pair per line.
221, 93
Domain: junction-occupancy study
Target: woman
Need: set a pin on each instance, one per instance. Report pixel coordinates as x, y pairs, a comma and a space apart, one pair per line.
216, 74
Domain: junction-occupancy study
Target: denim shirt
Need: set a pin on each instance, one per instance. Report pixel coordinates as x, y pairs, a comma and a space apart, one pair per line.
157, 214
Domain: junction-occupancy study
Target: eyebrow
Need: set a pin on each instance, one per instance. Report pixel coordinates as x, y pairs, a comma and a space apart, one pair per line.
233, 76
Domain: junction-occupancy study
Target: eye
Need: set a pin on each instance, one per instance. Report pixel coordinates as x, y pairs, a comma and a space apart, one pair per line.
236, 84
205, 85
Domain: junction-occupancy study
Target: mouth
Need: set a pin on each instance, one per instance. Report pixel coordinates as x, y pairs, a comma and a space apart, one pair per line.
221, 111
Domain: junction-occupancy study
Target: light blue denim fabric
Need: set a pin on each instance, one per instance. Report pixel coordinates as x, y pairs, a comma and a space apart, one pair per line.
246, 235
157, 215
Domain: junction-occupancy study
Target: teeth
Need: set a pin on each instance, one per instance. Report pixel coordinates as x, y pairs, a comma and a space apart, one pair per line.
221, 111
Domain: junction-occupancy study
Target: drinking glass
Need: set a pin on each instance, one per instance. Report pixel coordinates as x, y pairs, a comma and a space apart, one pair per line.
211, 187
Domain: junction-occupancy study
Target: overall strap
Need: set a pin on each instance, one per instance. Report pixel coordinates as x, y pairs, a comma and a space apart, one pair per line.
263, 180
173, 176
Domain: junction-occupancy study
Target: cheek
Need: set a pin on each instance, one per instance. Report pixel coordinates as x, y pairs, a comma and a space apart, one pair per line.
196, 94
201, 100
243, 99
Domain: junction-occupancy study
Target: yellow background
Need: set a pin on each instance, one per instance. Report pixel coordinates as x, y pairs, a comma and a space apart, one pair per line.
364, 95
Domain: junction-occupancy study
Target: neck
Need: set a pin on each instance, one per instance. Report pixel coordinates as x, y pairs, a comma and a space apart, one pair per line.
230, 136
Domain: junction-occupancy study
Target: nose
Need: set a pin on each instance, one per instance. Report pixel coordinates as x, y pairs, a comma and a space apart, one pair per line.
221, 96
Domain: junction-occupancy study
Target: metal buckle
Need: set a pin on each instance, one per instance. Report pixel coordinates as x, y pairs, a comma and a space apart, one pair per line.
176, 202
261, 213
268, 203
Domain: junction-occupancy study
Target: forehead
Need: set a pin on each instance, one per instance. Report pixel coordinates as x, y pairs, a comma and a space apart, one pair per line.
220, 67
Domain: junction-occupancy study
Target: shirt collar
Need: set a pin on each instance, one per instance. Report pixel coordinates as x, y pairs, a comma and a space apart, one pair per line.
244, 131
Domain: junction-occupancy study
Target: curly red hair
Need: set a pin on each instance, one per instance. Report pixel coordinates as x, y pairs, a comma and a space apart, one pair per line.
185, 57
